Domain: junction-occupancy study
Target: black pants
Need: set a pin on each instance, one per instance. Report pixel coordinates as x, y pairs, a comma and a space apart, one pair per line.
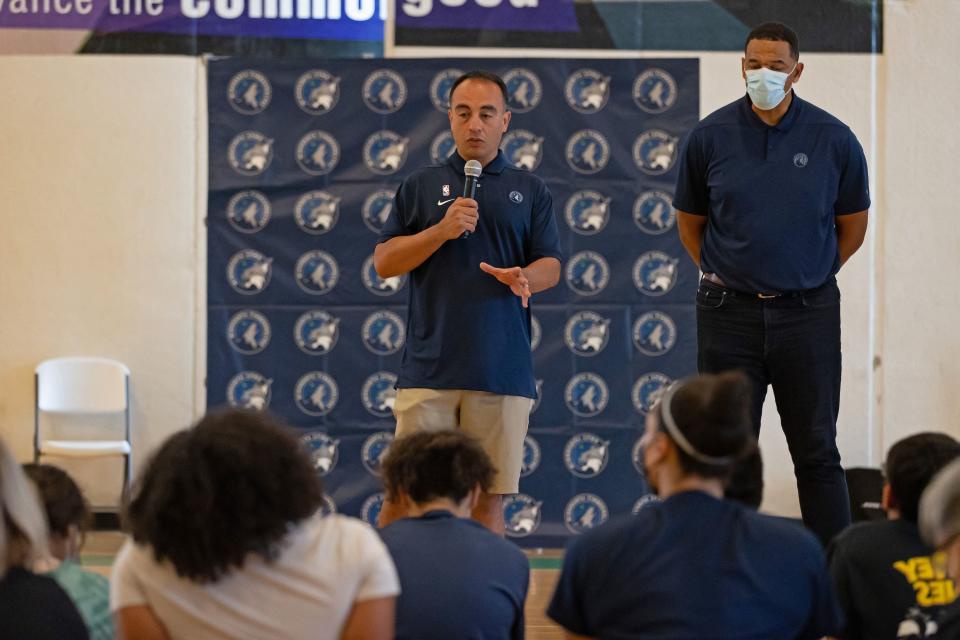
792, 344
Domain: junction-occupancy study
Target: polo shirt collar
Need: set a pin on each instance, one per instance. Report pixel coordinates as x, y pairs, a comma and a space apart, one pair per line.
496, 166
789, 118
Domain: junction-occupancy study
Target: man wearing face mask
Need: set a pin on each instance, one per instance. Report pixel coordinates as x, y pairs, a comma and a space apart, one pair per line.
772, 198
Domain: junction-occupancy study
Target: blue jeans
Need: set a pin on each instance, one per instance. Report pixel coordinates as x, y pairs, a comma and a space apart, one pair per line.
791, 343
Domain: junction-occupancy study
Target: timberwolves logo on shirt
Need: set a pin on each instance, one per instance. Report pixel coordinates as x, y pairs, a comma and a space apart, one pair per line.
383, 333
317, 272
374, 449
539, 388
653, 213
248, 211
800, 160
655, 91
381, 286
586, 455
316, 393
586, 333
650, 498
523, 90
250, 153
249, 271
655, 151
249, 92
378, 394
523, 149
647, 390
249, 390
316, 332
535, 332
442, 147
584, 512
587, 273
384, 152
440, 88
587, 151
323, 450
317, 212
317, 92
586, 395
370, 509
531, 456
328, 507
384, 91
248, 332
376, 209
521, 514
587, 212
654, 333
655, 273
318, 153
587, 90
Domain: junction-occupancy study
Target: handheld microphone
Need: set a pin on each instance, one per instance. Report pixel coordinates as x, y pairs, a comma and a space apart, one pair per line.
472, 170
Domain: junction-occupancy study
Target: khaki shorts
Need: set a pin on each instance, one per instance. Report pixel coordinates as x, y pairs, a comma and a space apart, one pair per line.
498, 422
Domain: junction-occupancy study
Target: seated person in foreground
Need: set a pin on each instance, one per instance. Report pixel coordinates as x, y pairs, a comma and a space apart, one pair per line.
940, 528
696, 565
884, 573
229, 542
458, 579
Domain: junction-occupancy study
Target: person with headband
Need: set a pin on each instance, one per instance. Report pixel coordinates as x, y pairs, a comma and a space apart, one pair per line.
695, 565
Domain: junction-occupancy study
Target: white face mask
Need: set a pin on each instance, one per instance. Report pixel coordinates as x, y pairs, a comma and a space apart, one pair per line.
765, 87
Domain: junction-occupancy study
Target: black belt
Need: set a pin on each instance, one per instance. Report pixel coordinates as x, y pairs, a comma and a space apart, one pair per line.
714, 279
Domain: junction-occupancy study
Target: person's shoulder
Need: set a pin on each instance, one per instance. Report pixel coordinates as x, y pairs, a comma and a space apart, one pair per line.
791, 534
637, 528
523, 176
812, 115
727, 115
425, 172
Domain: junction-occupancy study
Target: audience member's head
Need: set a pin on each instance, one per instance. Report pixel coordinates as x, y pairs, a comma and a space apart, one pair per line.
227, 487
911, 465
23, 532
68, 516
746, 482
445, 466
940, 515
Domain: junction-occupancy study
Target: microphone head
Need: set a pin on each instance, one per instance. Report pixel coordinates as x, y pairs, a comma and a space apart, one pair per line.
473, 168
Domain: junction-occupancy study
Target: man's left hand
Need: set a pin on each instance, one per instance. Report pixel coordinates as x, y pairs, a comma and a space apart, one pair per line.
513, 277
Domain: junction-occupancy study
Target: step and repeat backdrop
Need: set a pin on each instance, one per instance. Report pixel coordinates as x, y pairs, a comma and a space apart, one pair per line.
305, 158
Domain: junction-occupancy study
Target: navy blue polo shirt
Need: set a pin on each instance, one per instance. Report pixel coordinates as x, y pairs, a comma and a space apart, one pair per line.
770, 194
466, 330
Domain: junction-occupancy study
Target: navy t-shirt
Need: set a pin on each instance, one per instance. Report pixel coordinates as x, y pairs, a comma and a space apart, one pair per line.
696, 567
770, 194
457, 580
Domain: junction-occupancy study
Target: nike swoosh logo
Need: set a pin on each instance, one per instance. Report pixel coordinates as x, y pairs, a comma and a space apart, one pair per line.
440, 203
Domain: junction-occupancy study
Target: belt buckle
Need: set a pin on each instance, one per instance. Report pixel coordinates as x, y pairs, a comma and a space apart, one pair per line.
768, 296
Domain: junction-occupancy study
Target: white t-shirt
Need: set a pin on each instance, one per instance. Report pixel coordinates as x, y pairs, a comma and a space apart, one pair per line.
326, 565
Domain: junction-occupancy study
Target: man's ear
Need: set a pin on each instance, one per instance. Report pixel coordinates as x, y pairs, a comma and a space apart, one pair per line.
887, 500
506, 120
473, 498
743, 68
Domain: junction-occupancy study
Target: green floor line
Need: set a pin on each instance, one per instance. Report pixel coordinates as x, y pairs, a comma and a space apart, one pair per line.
97, 560
546, 563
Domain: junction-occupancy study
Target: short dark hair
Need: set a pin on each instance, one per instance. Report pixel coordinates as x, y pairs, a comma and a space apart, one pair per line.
486, 76
216, 492
911, 465
777, 32
431, 465
746, 482
61, 497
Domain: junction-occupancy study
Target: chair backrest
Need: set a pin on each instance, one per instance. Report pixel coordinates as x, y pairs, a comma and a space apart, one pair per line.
82, 385
865, 488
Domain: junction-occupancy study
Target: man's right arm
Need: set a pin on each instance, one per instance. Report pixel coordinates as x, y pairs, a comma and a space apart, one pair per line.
402, 254
692, 227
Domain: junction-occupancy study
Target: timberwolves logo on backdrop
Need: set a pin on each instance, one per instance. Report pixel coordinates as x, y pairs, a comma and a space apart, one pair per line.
655, 91
374, 449
316, 393
440, 88
384, 152
535, 332
653, 213
248, 211
317, 212
521, 514
523, 149
248, 332
654, 333
317, 92
328, 507
647, 390
249, 271
586, 333
323, 450
655, 273
587, 151
317, 272
586, 455
531, 456
378, 394
370, 509
249, 390
384, 91
523, 90
539, 388
655, 151
316, 332
249, 92
250, 153
584, 512
587, 273
587, 212
376, 209
442, 147
318, 153
645, 501
587, 90
586, 395
380, 286
383, 333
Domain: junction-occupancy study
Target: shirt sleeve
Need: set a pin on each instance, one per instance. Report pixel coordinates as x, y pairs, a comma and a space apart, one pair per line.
853, 192
566, 606
826, 618
544, 235
690, 195
126, 589
378, 577
397, 223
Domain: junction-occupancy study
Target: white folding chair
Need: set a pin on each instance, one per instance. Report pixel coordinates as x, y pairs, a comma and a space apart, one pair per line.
83, 386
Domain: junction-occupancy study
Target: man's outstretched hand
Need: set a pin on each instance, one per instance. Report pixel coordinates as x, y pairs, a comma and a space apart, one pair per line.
513, 277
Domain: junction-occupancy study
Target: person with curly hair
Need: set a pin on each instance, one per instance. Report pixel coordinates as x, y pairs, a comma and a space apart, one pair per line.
229, 541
